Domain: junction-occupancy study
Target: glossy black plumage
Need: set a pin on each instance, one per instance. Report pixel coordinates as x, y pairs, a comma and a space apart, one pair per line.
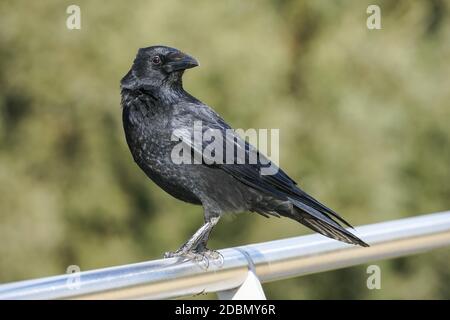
155, 107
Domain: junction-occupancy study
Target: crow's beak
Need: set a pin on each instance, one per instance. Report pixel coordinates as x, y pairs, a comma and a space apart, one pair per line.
179, 61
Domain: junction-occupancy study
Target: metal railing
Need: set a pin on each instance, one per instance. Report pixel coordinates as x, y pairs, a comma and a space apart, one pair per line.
269, 261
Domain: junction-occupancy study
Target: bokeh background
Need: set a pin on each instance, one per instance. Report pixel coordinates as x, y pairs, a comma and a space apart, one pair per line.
364, 117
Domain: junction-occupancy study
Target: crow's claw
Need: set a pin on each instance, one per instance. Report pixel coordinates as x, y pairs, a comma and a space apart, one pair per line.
214, 255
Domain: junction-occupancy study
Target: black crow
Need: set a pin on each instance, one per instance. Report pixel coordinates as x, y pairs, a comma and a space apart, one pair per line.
156, 109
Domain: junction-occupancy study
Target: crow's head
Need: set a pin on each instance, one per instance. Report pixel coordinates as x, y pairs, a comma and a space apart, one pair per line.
156, 66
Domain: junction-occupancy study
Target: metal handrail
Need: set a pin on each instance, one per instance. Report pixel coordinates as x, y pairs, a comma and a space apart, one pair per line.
270, 261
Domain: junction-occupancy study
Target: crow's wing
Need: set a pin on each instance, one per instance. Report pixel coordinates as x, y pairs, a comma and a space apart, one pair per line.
312, 213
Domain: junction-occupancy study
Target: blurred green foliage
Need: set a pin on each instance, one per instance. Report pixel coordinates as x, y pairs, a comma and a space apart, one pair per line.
364, 118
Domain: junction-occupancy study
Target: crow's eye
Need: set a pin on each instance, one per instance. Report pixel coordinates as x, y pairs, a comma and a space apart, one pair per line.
156, 60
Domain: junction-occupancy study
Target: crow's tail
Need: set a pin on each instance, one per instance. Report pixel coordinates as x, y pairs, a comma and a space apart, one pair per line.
319, 220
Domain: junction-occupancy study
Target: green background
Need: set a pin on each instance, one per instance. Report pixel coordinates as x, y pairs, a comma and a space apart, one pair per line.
364, 117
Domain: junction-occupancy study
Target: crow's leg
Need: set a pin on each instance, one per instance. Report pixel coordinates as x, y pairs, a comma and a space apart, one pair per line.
195, 246
204, 250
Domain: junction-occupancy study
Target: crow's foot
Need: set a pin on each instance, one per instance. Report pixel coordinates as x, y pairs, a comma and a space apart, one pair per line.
201, 257
197, 257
